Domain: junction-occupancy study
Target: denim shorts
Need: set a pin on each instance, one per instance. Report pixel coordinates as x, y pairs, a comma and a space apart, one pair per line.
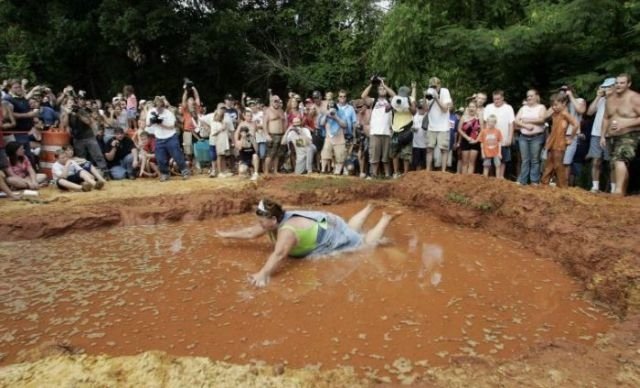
597, 152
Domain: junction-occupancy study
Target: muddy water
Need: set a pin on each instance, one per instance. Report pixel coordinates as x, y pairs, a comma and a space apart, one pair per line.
436, 292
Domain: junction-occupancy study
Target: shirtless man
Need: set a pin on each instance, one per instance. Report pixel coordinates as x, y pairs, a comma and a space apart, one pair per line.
621, 126
274, 125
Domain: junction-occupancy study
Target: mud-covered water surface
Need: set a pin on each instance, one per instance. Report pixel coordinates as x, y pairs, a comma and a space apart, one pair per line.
435, 293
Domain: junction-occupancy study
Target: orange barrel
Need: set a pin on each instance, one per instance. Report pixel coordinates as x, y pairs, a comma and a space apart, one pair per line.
52, 140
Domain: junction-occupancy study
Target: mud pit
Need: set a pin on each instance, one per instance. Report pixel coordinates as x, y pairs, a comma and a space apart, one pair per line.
484, 301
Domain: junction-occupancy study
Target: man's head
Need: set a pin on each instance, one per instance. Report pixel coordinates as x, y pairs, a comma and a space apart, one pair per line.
316, 96
342, 97
228, 100
159, 103
435, 83
270, 214
328, 96
623, 83
15, 88
276, 102
248, 114
119, 133
498, 98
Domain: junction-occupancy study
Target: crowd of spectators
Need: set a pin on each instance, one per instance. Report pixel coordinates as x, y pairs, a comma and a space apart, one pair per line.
380, 134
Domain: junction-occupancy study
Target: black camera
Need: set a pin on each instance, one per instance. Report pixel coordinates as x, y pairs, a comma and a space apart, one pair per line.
564, 88
155, 119
375, 79
244, 129
188, 84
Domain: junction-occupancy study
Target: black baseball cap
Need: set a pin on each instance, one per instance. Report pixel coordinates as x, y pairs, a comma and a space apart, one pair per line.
228, 96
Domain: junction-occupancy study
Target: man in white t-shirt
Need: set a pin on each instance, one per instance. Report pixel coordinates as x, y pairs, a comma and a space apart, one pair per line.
596, 152
379, 125
161, 122
505, 119
439, 103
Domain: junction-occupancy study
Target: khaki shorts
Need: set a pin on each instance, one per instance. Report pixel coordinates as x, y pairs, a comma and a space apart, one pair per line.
336, 152
439, 139
624, 147
187, 143
379, 147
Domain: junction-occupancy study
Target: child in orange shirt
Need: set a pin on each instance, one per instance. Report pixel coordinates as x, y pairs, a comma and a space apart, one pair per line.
557, 141
490, 138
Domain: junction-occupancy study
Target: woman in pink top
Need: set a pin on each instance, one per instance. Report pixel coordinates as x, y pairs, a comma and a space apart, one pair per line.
530, 122
132, 106
21, 174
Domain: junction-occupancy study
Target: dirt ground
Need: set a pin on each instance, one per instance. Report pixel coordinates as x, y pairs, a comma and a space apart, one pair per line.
594, 237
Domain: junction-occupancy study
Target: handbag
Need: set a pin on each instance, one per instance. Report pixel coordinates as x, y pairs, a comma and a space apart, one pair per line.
405, 136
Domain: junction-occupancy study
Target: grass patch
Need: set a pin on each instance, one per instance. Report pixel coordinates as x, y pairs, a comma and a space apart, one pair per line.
458, 198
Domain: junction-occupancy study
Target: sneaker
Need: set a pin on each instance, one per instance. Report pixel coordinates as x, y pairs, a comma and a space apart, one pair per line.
254, 176
86, 186
225, 174
164, 177
594, 190
185, 174
396, 175
363, 175
99, 185
368, 178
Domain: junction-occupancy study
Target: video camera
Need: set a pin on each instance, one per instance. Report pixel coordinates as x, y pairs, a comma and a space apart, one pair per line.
155, 119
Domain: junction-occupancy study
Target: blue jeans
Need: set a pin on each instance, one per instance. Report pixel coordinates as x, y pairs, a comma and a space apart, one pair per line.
530, 147
124, 169
169, 148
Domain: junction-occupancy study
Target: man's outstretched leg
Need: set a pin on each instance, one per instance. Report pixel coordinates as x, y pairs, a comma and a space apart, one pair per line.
360, 218
374, 236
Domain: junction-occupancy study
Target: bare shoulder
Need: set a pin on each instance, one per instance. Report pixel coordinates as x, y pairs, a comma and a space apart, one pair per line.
635, 97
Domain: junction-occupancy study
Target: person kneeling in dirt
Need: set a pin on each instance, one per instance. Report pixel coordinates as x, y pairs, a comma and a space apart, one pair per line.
148, 164
68, 174
307, 233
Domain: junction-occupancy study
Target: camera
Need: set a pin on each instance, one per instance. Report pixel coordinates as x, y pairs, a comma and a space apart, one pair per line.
244, 129
430, 93
375, 79
75, 108
155, 119
188, 84
332, 108
564, 88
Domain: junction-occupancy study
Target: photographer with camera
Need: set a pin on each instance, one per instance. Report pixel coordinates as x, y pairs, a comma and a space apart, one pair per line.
122, 156
334, 149
439, 103
379, 125
247, 145
404, 106
80, 125
161, 123
190, 109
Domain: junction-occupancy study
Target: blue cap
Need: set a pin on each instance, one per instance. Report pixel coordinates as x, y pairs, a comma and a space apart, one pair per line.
609, 82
